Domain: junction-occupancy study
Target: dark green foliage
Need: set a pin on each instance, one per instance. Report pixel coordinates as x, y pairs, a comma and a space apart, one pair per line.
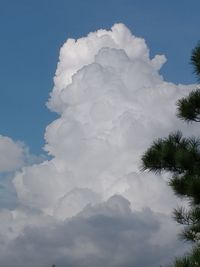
187, 185
190, 260
181, 157
175, 153
195, 60
189, 107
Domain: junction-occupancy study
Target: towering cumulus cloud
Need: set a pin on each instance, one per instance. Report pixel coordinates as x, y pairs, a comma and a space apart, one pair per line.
90, 204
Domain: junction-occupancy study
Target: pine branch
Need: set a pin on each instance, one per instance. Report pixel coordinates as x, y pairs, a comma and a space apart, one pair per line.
189, 107
185, 217
195, 60
174, 154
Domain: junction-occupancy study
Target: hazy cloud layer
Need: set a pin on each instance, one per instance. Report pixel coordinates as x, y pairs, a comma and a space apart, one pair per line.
90, 204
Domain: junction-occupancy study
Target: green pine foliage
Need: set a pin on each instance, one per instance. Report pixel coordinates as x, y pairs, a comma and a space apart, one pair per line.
192, 259
189, 107
181, 157
195, 60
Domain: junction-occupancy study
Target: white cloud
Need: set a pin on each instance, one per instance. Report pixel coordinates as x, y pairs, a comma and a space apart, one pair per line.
112, 103
15, 154
76, 54
12, 154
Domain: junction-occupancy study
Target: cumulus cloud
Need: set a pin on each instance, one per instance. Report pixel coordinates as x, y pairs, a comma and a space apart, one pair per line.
12, 155
90, 204
108, 233
15, 154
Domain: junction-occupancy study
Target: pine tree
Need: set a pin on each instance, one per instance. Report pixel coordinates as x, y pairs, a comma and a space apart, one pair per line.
181, 157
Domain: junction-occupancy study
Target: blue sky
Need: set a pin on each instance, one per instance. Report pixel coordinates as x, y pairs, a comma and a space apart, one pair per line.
32, 33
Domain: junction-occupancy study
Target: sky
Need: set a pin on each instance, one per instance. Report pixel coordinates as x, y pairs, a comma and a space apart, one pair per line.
32, 33
86, 86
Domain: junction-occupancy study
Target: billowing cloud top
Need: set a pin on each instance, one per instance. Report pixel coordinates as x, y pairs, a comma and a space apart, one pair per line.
75, 54
91, 198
